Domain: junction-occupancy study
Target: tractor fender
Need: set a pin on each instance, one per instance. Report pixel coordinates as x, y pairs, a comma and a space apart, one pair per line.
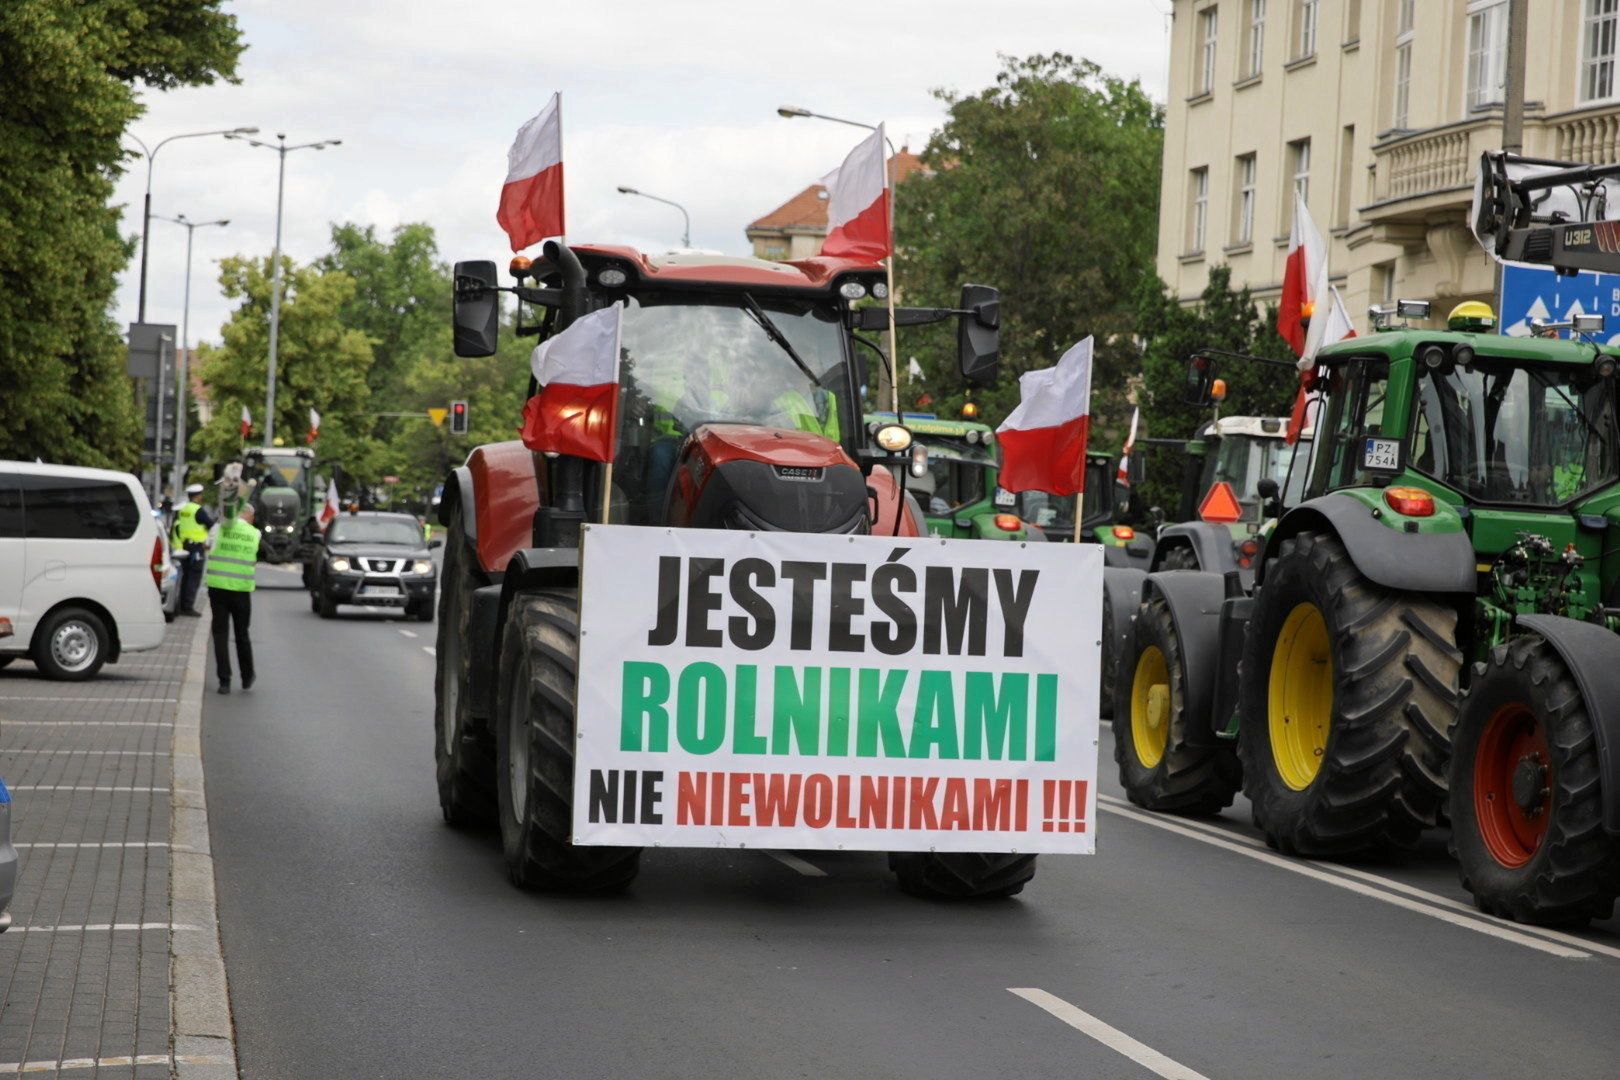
530, 568
1212, 544
1122, 595
458, 491
1136, 554
1194, 598
1592, 654
1393, 558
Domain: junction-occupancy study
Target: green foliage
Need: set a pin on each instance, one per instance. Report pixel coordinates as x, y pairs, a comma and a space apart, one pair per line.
1223, 318
321, 363
1047, 186
68, 73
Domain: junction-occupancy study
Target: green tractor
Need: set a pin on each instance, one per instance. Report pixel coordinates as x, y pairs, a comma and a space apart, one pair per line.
956, 491
1109, 512
283, 498
1457, 538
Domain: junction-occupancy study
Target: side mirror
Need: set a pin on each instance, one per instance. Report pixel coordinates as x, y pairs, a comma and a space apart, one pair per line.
978, 334
1270, 495
475, 309
1200, 381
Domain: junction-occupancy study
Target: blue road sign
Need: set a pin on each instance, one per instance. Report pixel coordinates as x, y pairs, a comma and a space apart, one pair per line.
1532, 292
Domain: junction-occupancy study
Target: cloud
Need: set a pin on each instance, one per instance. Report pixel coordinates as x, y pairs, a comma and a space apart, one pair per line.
675, 98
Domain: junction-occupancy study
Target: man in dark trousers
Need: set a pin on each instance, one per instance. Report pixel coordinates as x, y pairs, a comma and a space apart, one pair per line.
229, 578
189, 538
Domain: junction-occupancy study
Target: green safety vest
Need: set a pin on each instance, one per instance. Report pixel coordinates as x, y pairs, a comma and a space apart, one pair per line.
187, 529
799, 407
235, 554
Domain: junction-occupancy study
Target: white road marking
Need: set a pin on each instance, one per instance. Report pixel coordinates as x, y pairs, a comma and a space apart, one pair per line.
75, 928
75, 750
1402, 887
1312, 870
1111, 1037
105, 844
408, 633
793, 862
88, 723
16, 1067
100, 700
84, 787
430, 650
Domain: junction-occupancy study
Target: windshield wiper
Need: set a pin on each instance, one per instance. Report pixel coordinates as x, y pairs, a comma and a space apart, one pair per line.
774, 332
1576, 409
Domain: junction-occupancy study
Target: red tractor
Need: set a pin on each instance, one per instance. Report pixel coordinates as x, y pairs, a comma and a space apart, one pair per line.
740, 407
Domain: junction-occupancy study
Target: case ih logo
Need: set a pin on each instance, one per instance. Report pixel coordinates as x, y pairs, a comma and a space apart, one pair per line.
797, 472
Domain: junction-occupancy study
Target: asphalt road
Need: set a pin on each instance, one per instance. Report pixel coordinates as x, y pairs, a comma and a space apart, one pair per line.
364, 938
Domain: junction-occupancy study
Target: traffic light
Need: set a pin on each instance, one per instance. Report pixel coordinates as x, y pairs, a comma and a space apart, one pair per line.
458, 418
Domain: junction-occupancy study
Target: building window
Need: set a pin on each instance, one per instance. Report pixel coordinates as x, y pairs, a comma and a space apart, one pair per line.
1352, 21
1400, 114
1384, 282
1305, 21
1299, 156
1206, 52
1197, 209
1487, 52
1403, 17
1243, 204
1347, 155
1598, 49
1254, 43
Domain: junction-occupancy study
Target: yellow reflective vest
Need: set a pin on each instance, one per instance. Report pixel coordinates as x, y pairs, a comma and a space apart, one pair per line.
187, 529
235, 554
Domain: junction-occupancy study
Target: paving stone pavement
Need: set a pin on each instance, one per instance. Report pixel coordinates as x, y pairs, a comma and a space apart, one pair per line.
85, 969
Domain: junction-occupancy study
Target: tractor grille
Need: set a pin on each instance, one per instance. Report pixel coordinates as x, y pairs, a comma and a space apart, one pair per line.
739, 517
382, 566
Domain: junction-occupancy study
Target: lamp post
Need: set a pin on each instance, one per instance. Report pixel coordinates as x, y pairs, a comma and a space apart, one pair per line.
791, 112
146, 213
282, 150
686, 234
177, 476
157, 424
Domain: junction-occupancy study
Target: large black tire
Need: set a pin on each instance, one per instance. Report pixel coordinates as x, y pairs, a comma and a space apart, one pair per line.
1368, 748
1157, 767
1108, 660
534, 753
1526, 796
71, 645
1179, 557
961, 875
463, 748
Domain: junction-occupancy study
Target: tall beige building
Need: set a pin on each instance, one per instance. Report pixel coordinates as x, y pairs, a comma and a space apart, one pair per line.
1377, 110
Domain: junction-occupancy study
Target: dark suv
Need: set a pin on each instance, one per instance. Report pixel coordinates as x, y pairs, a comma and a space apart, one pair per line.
377, 560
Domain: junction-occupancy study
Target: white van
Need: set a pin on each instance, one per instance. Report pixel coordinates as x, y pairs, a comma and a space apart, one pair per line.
81, 567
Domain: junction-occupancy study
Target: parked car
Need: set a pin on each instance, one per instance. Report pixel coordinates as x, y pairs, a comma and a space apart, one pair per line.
169, 586
8, 859
378, 560
81, 568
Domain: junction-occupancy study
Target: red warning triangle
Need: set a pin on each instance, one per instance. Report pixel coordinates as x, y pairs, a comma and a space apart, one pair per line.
1220, 504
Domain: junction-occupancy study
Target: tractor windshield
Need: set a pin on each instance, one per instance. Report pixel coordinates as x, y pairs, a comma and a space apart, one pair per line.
956, 475
1538, 436
1244, 460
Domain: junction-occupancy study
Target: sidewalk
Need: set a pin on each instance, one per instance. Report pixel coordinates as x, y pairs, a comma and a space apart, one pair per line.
85, 970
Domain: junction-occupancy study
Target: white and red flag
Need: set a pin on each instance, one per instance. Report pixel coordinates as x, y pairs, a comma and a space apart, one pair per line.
1124, 474
532, 198
247, 422
330, 510
1043, 441
858, 203
1306, 289
314, 427
577, 409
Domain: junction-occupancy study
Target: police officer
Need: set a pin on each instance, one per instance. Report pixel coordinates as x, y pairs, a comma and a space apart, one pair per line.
190, 537
230, 592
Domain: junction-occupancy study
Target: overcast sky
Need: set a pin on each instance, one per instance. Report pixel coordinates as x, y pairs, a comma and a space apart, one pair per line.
675, 97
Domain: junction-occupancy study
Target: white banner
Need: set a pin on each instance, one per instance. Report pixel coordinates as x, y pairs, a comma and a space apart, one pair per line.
785, 690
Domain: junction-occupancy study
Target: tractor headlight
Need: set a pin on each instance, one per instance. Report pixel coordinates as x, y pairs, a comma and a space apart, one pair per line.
973, 438
340, 565
895, 438
852, 290
422, 566
880, 290
611, 277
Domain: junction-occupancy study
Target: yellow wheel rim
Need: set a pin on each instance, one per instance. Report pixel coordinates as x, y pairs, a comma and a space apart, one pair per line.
1301, 696
1150, 707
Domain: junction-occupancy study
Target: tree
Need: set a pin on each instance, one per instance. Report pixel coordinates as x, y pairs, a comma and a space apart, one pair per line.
320, 363
1223, 318
1046, 185
68, 75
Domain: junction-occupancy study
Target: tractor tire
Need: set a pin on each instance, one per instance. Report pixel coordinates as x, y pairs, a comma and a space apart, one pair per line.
463, 752
1157, 768
1180, 557
1108, 660
961, 876
1526, 797
534, 753
1349, 692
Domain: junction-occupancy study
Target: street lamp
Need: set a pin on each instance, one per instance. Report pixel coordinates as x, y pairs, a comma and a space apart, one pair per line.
686, 236
282, 150
146, 214
182, 384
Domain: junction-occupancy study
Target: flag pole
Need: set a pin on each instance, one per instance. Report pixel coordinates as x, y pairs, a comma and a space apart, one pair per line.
607, 491
888, 268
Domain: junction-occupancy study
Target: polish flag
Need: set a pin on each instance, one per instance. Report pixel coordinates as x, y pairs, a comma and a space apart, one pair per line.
247, 422
330, 510
532, 199
1043, 442
314, 426
1124, 474
577, 409
858, 204
1305, 289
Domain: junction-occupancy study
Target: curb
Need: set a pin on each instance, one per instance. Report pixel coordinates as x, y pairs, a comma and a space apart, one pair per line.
203, 1041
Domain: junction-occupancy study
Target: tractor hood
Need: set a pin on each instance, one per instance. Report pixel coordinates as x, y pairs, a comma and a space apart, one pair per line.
744, 476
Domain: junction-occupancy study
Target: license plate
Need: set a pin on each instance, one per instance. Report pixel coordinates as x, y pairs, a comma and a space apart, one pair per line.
379, 590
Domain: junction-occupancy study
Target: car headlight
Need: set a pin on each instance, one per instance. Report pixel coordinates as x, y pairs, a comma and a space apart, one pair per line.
422, 566
340, 565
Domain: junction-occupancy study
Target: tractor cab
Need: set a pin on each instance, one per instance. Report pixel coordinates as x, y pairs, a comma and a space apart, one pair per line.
957, 490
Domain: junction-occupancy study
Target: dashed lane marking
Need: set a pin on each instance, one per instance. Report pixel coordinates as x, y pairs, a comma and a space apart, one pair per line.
1318, 873
408, 633
793, 862
430, 650
1110, 1036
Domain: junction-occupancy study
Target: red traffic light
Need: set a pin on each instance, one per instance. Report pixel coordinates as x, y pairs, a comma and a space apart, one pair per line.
458, 418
